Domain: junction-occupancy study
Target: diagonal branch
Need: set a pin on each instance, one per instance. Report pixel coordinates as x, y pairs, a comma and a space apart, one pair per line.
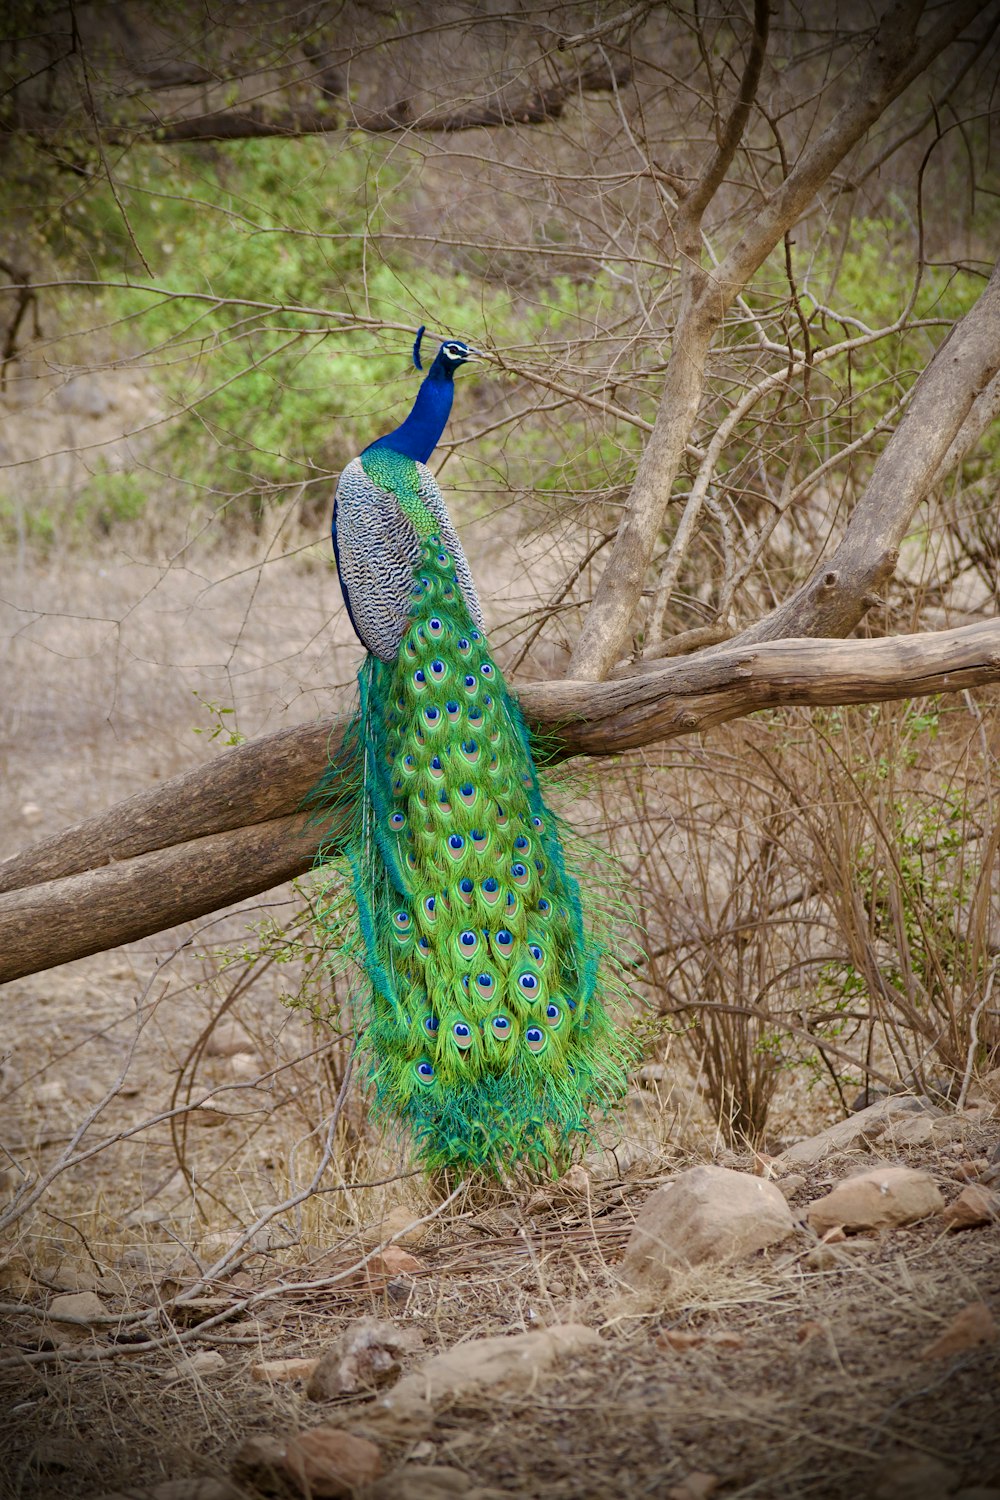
951, 403
896, 57
234, 828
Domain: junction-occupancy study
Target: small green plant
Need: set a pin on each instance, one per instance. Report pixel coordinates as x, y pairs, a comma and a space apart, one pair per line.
228, 733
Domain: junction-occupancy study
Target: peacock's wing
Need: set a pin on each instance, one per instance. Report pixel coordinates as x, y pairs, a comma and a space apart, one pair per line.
377, 550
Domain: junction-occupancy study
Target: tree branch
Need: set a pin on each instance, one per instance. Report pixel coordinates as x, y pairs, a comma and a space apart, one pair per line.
951, 403
897, 56
234, 828
534, 107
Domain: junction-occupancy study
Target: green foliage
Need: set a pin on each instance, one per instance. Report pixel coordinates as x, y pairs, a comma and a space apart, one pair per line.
110, 498
228, 733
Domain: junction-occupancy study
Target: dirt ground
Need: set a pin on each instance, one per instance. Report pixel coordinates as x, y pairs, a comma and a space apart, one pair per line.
165, 1113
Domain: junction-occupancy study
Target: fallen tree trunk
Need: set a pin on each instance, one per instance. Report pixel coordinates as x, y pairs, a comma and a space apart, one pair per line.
234, 828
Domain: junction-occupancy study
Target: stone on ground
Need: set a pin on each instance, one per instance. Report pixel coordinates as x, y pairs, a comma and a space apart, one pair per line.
975, 1205
330, 1463
858, 1131
878, 1199
513, 1361
705, 1214
364, 1357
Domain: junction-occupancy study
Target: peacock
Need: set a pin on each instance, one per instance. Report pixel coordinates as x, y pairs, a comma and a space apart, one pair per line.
485, 1027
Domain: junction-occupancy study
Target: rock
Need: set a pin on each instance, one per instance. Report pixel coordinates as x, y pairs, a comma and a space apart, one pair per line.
930, 1128
364, 1357
74, 1316
283, 1369
509, 1360
650, 1074
810, 1329
971, 1171
575, 1182
31, 813
972, 1326
326, 1461
883, 1197
854, 1133
395, 1261
974, 1206
790, 1185
705, 1214
905, 1475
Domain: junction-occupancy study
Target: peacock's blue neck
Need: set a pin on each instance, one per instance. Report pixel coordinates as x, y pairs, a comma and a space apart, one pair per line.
419, 435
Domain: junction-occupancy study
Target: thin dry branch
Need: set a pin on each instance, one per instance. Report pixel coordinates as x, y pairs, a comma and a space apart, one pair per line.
897, 56
201, 853
952, 403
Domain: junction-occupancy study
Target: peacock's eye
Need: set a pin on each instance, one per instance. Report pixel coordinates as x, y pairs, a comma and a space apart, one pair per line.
431, 1024
456, 841
517, 870
466, 887
536, 822
485, 981
426, 1071
501, 1026
467, 938
462, 1033
490, 884
419, 675
544, 905
552, 1012
535, 1038
535, 952
521, 842
435, 762
431, 714
397, 820
469, 681
486, 669
528, 983
429, 904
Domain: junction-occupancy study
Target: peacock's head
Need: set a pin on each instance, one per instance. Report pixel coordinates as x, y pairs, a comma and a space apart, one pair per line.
452, 354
